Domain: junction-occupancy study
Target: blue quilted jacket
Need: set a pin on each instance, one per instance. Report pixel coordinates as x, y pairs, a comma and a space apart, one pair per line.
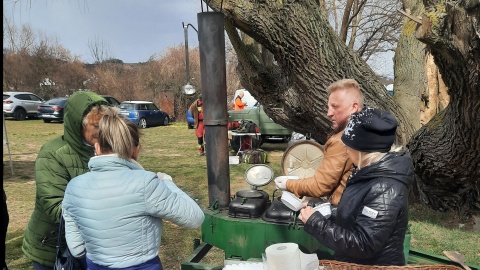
114, 212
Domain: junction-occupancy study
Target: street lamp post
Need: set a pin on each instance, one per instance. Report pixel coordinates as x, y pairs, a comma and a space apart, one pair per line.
188, 89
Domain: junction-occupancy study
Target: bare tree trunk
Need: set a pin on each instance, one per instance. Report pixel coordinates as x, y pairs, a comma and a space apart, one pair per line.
346, 20
446, 150
409, 63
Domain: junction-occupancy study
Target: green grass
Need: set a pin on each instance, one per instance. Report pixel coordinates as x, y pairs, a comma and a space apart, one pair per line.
173, 150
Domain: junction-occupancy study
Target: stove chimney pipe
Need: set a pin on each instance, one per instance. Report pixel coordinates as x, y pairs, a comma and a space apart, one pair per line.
214, 96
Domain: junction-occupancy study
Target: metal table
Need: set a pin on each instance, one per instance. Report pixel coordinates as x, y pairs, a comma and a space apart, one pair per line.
242, 136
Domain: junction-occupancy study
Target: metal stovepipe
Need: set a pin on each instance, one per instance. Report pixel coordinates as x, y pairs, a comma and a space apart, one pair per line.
214, 96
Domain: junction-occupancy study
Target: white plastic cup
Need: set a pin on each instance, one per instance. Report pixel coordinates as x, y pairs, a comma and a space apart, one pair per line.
291, 201
324, 209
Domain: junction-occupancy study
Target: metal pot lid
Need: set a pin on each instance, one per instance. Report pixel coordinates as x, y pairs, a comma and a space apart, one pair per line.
251, 194
259, 175
302, 158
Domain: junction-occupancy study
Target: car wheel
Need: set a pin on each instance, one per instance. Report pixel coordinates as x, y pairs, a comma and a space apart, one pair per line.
47, 120
142, 123
166, 121
20, 114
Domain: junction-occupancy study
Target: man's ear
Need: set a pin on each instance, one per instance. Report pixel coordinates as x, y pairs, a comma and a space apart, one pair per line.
356, 107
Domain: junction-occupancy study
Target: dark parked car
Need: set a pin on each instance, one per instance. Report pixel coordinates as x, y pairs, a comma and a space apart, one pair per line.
144, 113
52, 110
20, 105
113, 101
190, 120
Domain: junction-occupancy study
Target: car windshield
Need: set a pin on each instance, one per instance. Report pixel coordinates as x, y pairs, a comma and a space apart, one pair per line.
55, 101
5, 96
127, 106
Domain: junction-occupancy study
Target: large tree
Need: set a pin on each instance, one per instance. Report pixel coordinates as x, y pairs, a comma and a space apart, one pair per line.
308, 56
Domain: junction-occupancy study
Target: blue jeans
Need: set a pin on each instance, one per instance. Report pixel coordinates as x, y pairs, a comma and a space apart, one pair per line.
38, 266
153, 264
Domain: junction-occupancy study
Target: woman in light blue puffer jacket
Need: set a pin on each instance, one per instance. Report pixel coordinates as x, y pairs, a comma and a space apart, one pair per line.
114, 213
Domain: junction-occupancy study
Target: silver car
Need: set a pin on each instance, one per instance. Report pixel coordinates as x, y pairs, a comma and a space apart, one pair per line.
21, 105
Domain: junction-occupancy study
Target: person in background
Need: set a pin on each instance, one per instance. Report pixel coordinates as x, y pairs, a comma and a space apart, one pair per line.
345, 98
372, 215
5, 220
196, 110
58, 161
239, 104
114, 213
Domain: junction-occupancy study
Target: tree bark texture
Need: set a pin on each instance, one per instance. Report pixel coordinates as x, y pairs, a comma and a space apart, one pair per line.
409, 63
419, 88
308, 57
446, 151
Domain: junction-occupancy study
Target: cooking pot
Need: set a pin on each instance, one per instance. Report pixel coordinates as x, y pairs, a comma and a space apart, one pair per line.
249, 194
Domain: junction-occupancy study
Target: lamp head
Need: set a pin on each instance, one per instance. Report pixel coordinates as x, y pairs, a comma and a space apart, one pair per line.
188, 89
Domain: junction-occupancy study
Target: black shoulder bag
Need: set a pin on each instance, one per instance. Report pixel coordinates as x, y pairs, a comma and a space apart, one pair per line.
64, 259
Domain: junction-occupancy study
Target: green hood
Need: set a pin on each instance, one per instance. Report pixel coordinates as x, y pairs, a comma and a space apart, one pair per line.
77, 106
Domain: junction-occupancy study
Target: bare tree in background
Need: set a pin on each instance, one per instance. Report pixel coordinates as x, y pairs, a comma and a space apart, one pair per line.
17, 40
36, 62
99, 50
70, 77
233, 80
369, 27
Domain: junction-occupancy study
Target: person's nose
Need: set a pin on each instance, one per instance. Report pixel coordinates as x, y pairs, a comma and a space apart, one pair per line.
330, 112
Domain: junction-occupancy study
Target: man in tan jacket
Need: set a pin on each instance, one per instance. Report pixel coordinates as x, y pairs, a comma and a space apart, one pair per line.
345, 98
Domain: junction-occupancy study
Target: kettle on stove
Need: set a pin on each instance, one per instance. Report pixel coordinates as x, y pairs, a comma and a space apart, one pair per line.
251, 203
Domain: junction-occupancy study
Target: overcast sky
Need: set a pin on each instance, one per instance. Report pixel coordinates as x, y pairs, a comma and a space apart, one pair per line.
133, 30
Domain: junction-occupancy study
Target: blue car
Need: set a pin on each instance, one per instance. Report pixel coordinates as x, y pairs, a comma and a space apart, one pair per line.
144, 113
190, 120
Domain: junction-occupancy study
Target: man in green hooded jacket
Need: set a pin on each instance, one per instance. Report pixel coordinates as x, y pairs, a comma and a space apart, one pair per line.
58, 161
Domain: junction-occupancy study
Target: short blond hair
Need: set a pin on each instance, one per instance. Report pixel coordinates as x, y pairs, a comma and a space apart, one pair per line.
349, 85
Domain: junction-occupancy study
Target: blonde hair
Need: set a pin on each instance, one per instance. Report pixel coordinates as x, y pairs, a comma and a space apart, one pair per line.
366, 159
94, 114
117, 134
349, 85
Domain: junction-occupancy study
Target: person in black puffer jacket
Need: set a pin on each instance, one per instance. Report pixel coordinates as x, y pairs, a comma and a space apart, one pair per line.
372, 215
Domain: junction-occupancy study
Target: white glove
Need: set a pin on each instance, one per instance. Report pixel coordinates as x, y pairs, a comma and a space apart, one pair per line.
281, 183
164, 176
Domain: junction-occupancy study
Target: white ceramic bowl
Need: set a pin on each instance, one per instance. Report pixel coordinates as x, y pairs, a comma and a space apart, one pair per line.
291, 201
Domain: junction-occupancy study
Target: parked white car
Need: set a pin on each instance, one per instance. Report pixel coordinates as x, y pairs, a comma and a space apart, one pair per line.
21, 105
